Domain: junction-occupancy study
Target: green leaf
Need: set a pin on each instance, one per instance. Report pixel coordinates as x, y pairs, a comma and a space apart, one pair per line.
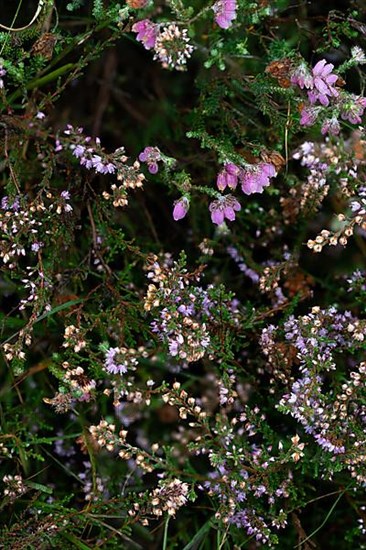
199, 535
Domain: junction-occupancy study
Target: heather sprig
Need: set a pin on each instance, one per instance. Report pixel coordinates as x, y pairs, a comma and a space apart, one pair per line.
187, 371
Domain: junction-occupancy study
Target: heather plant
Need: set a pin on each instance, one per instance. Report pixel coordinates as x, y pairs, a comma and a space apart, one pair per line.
182, 252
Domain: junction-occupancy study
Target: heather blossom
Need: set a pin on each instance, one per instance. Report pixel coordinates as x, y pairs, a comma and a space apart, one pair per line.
228, 177
2, 73
302, 76
352, 108
224, 207
102, 167
255, 178
309, 115
147, 32
151, 155
172, 47
358, 55
180, 208
112, 363
331, 126
225, 12
320, 82
323, 83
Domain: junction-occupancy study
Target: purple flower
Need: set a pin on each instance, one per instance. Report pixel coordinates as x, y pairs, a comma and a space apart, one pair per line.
78, 151
308, 116
331, 126
352, 108
58, 146
225, 12
2, 73
36, 246
302, 76
254, 179
224, 207
151, 155
147, 33
323, 83
180, 208
228, 177
110, 363
100, 166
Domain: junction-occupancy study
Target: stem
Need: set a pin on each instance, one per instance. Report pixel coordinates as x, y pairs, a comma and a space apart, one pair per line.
165, 539
38, 82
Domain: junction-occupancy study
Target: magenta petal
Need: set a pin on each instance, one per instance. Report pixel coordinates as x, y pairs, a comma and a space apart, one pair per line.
328, 68
321, 86
229, 213
232, 169
317, 70
180, 209
153, 168
221, 181
232, 181
217, 216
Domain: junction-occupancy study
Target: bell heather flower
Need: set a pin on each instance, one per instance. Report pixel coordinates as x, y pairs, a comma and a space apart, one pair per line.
228, 177
225, 12
331, 126
224, 207
151, 155
256, 178
147, 32
309, 115
180, 208
302, 76
323, 83
352, 108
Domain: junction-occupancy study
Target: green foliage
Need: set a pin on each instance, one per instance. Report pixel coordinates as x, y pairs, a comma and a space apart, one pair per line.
182, 383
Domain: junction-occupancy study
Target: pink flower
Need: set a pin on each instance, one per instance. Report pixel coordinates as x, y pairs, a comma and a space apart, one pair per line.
147, 32
323, 83
352, 108
224, 207
331, 126
302, 77
309, 115
225, 12
254, 179
181, 208
228, 177
151, 155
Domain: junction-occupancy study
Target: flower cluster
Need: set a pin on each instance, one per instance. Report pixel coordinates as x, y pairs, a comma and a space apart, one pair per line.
169, 497
316, 339
14, 486
105, 436
186, 311
120, 360
151, 155
225, 12
224, 207
92, 156
252, 178
341, 236
321, 87
170, 43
